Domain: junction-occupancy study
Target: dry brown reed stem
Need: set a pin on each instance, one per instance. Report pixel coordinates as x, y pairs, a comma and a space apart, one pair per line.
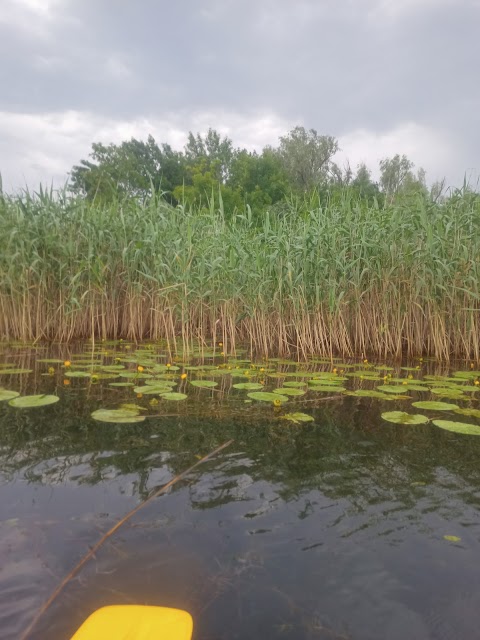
113, 530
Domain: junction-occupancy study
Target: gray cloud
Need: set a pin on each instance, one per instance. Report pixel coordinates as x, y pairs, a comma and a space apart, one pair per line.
372, 72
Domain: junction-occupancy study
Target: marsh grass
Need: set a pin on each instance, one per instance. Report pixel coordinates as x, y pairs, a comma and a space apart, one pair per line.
344, 278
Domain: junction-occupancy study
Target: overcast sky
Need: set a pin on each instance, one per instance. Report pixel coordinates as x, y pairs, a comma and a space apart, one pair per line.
383, 76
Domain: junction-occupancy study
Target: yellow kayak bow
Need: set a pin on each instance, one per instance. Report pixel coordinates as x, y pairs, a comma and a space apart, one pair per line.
136, 622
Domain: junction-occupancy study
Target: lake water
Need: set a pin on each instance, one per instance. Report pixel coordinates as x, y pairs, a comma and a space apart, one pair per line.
331, 529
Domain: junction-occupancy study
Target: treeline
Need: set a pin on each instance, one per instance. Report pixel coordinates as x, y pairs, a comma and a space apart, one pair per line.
210, 166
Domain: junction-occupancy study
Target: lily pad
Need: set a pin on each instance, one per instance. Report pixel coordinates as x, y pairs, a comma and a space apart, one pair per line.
298, 417
400, 417
4, 372
432, 405
51, 360
295, 384
369, 393
474, 413
77, 374
150, 389
288, 391
204, 384
121, 384
456, 427
6, 394
392, 388
117, 415
326, 388
26, 402
265, 396
251, 386
175, 396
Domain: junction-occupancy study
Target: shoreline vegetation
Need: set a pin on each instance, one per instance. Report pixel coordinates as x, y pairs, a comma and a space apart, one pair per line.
282, 252
326, 275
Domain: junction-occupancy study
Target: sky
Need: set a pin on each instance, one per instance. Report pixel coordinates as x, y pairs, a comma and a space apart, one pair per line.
383, 76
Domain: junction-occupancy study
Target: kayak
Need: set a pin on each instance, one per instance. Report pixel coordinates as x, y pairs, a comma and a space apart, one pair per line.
136, 622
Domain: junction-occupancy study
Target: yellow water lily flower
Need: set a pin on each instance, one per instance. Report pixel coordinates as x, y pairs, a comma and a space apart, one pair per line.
67, 363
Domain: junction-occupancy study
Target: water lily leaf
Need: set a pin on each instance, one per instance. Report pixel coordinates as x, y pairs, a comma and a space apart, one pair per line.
400, 417
288, 391
391, 388
456, 427
51, 360
415, 387
204, 384
368, 393
449, 394
4, 372
129, 406
251, 386
265, 396
326, 388
434, 406
295, 384
475, 413
26, 402
77, 374
452, 538
173, 395
117, 415
121, 384
297, 417
150, 389
6, 394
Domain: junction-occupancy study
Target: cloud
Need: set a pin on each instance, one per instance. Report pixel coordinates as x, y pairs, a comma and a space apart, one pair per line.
377, 74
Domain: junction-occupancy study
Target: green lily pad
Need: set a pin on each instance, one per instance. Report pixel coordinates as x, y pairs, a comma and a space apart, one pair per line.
297, 417
456, 427
121, 384
6, 394
204, 384
4, 372
432, 405
26, 402
415, 387
391, 388
51, 360
369, 393
326, 388
295, 384
173, 395
474, 413
265, 396
400, 417
150, 389
449, 394
77, 374
130, 406
251, 386
117, 415
288, 391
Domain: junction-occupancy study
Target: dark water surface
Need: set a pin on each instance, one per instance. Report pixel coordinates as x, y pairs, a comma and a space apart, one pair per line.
327, 530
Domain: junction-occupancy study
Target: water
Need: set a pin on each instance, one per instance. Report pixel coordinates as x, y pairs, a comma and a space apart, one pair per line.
326, 530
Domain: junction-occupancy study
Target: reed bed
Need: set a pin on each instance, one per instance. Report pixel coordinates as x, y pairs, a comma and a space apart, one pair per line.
345, 278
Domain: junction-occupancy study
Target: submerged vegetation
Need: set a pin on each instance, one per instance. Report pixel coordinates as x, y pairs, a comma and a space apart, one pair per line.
344, 277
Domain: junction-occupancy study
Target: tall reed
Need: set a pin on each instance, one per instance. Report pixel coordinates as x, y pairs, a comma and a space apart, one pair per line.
344, 278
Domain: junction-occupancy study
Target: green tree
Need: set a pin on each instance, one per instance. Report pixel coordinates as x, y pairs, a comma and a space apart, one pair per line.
259, 178
216, 151
133, 168
307, 157
398, 178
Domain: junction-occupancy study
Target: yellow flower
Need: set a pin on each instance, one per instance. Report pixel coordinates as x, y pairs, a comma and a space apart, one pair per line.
222, 353
51, 371
405, 382
220, 344
472, 365
410, 377
277, 402
66, 382
168, 365
334, 370
153, 401
140, 368
139, 395
477, 382
183, 376
365, 361
262, 370
67, 363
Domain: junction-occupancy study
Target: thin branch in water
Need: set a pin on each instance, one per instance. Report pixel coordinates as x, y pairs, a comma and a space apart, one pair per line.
111, 531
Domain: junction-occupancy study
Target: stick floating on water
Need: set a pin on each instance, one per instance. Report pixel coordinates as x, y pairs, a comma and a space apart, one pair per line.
111, 531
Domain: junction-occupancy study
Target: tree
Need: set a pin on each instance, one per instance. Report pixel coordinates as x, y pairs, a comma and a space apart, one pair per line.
397, 176
133, 168
363, 183
260, 178
306, 157
215, 151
